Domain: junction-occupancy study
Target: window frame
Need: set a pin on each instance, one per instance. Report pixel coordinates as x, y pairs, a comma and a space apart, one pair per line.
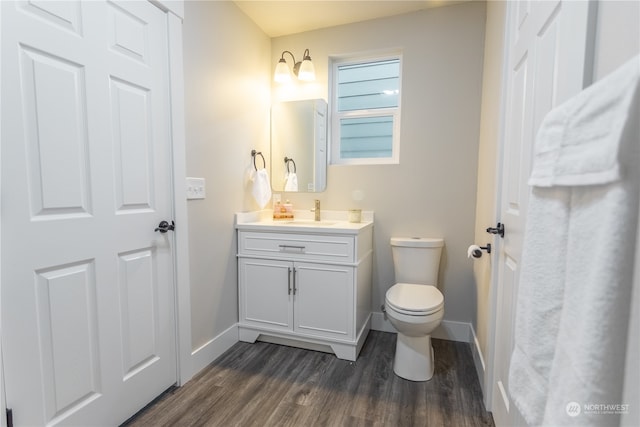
336, 116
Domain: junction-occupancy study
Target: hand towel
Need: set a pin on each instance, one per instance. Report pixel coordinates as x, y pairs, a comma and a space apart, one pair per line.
290, 181
572, 307
261, 189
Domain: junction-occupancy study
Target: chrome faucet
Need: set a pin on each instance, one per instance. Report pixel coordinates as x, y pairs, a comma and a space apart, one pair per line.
316, 210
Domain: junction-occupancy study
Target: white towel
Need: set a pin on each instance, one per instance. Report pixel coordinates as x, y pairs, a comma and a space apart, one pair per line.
578, 141
261, 190
290, 181
577, 263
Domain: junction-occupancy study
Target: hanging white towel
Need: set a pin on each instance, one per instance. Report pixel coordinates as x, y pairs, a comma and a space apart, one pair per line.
290, 181
261, 190
578, 141
577, 263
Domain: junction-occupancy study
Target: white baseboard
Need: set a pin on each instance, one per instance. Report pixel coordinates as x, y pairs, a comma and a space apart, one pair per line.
478, 360
210, 351
449, 330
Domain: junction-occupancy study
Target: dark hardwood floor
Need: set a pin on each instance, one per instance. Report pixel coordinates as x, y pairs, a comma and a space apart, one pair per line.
271, 385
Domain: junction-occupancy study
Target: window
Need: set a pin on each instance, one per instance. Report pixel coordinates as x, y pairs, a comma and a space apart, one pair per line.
365, 107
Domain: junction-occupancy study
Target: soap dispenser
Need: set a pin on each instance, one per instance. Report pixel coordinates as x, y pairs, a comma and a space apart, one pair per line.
278, 210
288, 210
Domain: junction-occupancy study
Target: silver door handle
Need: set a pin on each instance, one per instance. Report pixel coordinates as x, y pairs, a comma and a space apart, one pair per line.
294, 280
294, 247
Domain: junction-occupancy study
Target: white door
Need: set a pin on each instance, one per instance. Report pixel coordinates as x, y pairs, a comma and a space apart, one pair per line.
547, 62
87, 285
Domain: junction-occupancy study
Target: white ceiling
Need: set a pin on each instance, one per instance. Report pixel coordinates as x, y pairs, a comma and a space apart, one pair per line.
279, 18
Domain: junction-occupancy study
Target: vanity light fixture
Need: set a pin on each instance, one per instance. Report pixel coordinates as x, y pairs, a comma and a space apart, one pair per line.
303, 70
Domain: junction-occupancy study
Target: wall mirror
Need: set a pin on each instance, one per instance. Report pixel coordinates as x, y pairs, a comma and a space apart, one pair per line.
299, 146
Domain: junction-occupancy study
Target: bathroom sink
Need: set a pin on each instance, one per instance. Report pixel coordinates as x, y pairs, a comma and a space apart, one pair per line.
310, 222
335, 222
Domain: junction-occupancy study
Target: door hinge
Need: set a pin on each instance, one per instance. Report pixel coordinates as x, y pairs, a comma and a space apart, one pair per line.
9, 417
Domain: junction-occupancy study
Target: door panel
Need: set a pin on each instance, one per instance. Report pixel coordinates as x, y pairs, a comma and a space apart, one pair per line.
55, 123
87, 286
133, 155
67, 336
266, 288
541, 36
127, 34
138, 299
324, 300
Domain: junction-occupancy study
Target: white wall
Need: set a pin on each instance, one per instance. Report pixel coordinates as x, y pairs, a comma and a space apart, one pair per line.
486, 215
432, 191
617, 35
227, 67
618, 40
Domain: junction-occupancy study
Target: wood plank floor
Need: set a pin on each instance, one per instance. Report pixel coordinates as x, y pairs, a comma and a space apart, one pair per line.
265, 384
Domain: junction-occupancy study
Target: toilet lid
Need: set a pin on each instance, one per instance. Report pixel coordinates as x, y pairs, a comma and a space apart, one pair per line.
414, 299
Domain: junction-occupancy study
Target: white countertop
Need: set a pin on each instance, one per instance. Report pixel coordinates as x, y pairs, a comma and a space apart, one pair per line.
331, 222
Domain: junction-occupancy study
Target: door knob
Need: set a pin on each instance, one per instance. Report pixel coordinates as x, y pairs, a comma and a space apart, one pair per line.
164, 226
498, 229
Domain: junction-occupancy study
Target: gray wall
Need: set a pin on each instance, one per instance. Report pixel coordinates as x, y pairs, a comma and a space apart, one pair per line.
432, 191
227, 65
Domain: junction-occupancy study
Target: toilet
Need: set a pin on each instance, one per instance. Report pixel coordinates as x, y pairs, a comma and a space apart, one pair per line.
414, 305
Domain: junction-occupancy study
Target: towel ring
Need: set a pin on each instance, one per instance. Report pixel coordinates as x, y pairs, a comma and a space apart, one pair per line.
288, 160
254, 153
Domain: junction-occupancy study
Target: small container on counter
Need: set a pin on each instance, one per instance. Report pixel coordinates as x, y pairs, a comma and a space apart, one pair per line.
355, 215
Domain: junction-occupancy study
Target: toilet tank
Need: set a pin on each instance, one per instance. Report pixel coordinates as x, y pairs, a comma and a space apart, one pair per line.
416, 259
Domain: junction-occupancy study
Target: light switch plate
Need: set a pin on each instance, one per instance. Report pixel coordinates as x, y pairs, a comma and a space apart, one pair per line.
195, 188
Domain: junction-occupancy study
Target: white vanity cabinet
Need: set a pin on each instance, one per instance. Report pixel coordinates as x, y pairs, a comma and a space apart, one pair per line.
315, 299
309, 289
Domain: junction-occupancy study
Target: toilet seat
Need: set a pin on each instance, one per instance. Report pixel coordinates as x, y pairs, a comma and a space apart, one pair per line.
414, 300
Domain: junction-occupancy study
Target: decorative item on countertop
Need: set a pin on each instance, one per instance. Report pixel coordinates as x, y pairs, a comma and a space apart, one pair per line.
283, 211
288, 209
278, 210
355, 215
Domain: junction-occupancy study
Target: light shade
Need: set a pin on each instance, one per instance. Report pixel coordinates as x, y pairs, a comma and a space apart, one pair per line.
282, 74
307, 71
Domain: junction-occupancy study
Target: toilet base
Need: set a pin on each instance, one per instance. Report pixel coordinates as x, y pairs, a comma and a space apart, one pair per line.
414, 358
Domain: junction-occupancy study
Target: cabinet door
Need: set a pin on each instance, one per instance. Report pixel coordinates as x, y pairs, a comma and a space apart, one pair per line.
265, 297
324, 300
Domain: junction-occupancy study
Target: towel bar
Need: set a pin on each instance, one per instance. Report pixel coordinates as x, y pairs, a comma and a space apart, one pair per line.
255, 153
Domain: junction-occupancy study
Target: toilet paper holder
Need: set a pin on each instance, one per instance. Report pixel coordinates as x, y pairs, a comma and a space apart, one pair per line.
477, 253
